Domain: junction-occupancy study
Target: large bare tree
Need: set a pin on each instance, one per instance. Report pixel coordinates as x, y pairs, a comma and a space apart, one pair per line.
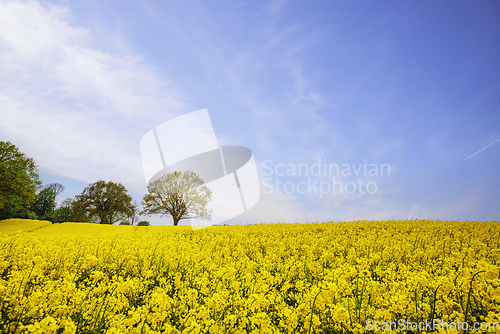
57, 188
183, 195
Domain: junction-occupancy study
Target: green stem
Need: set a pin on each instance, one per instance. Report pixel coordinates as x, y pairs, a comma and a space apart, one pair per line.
470, 292
312, 312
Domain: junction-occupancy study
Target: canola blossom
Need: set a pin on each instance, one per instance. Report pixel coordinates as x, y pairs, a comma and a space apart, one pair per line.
266, 278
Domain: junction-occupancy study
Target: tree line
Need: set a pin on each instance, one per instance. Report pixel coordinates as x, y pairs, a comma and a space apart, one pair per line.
182, 195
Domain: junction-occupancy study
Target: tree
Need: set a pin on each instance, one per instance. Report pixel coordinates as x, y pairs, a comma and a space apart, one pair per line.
105, 200
67, 213
64, 212
19, 177
57, 188
44, 203
13, 209
183, 195
135, 213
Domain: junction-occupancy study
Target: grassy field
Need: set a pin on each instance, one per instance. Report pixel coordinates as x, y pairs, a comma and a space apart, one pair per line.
268, 278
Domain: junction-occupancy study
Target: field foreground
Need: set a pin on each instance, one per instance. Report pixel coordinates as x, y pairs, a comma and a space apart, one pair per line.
267, 278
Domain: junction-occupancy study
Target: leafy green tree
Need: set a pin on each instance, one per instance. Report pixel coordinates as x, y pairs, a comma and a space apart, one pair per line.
13, 209
129, 217
104, 200
119, 216
183, 195
44, 204
66, 213
19, 177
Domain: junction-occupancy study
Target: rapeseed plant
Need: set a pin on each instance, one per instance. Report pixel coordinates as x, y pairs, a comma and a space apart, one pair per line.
267, 278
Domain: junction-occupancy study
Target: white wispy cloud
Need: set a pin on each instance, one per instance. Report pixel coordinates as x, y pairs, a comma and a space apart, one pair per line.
76, 107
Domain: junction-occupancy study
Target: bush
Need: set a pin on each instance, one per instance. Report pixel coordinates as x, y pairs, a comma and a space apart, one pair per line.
51, 217
15, 209
125, 223
143, 223
65, 213
31, 215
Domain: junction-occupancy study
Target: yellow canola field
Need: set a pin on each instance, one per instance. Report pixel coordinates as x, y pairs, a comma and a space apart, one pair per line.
267, 278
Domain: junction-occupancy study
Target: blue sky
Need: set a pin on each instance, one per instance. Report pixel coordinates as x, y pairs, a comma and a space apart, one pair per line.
410, 84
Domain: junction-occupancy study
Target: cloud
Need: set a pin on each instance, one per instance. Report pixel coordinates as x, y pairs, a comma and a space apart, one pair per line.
69, 102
